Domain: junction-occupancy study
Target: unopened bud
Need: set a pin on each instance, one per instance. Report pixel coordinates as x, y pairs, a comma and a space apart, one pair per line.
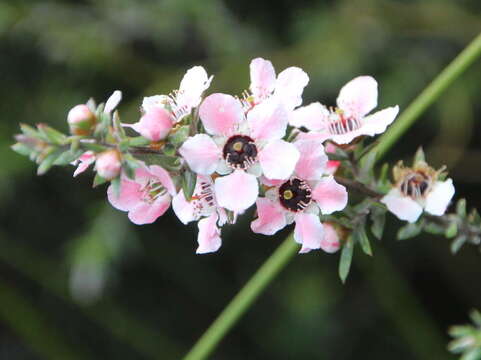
330, 242
108, 164
155, 124
81, 120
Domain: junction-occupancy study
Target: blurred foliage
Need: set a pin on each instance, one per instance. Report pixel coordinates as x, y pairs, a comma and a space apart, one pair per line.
65, 258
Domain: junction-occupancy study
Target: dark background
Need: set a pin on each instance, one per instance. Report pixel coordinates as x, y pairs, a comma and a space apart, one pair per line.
78, 281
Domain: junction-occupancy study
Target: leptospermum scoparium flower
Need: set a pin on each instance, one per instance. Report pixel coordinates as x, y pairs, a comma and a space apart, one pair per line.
300, 198
203, 207
349, 120
242, 148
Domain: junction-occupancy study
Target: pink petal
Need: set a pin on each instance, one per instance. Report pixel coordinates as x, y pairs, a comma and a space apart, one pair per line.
313, 159
182, 208
332, 165
130, 195
193, 84
209, 235
201, 153
312, 116
271, 217
267, 120
146, 213
347, 137
155, 124
289, 87
278, 159
359, 96
85, 160
237, 191
220, 113
402, 206
330, 241
263, 78
271, 182
329, 195
378, 122
439, 197
113, 101
308, 231
164, 177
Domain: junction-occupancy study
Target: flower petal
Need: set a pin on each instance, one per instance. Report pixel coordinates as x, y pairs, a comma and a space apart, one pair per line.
311, 116
270, 218
329, 195
209, 235
201, 153
330, 241
313, 159
130, 195
193, 84
113, 101
164, 178
182, 208
85, 160
402, 206
308, 232
146, 213
278, 159
237, 191
263, 78
267, 120
379, 121
439, 197
220, 113
155, 124
359, 96
289, 87
155, 101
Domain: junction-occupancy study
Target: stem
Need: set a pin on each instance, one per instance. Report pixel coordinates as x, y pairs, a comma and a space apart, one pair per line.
429, 95
242, 301
275, 263
358, 186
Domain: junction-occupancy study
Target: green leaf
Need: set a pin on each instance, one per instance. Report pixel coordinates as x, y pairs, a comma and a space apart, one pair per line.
473, 354
360, 236
21, 149
67, 157
452, 230
169, 150
367, 149
31, 132
475, 316
378, 218
53, 136
409, 231
458, 243
419, 156
48, 162
138, 141
189, 180
461, 208
98, 180
346, 259
116, 183
178, 137
93, 147
434, 228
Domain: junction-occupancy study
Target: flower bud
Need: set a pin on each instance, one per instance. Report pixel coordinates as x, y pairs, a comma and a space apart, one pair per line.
155, 124
331, 240
81, 120
108, 164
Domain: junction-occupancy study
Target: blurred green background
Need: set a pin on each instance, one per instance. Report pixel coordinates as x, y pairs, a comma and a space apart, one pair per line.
78, 281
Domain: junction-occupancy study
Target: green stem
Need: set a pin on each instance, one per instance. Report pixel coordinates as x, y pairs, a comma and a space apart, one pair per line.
429, 95
244, 299
275, 263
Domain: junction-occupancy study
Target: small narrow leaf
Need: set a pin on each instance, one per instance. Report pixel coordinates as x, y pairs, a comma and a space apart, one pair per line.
48, 162
451, 231
409, 231
361, 237
67, 157
54, 136
98, 180
458, 243
434, 228
138, 141
21, 149
189, 180
116, 183
378, 218
419, 156
461, 208
178, 137
346, 259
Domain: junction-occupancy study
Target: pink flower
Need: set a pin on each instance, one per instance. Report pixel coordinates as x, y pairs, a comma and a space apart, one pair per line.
147, 197
416, 189
85, 160
330, 242
332, 165
81, 120
203, 207
286, 89
241, 147
155, 124
108, 164
182, 101
300, 198
349, 120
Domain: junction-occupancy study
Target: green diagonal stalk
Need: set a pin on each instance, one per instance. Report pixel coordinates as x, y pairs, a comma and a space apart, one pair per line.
286, 251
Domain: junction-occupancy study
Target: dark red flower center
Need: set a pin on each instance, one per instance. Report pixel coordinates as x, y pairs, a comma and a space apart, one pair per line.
240, 152
295, 195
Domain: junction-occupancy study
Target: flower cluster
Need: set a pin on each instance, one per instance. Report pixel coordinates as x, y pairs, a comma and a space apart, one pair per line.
214, 156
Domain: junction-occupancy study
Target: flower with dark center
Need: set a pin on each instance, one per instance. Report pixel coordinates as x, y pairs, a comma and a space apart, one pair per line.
240, 152
295, 195
415, 185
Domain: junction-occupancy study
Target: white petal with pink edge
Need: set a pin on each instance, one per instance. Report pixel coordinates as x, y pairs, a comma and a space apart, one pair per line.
378, 122
220, 113
183, 209
113, 101
130, 195
358, 97
209, 235
290, 84
193, 84
402, 206
201, 154
164, 177
267, 121
330, 241
237, 191
85, 160
308, 232
263, 78
439, 197
312, 116
147, 213
329, 195
313, 159
278, 159
270, 217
